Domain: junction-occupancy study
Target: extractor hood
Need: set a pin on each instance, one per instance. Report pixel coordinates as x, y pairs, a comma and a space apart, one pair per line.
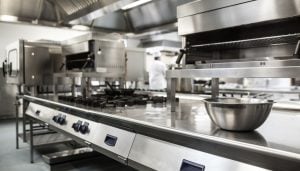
126, 16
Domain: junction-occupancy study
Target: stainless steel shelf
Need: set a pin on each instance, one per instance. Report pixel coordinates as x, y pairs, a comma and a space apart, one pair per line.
250, 43
255, 72
86, 74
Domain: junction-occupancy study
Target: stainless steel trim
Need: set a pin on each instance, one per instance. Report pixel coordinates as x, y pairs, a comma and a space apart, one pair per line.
256, 72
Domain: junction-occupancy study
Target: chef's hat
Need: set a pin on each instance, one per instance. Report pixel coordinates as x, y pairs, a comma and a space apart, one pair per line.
157, 54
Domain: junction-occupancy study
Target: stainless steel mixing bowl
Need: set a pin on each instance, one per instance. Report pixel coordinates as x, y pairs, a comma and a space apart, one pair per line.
236, 114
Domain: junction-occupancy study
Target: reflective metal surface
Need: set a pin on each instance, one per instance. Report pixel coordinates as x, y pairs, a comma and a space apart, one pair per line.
31, 10
135, 72
191, 116
277, 137
202, 6
96, 15
237, 15
96, 134
161, 155
234, 114
256, 72
7, 94
106, 54
30, 63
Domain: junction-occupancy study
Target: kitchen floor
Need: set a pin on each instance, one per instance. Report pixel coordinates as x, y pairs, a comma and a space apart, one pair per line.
12, 159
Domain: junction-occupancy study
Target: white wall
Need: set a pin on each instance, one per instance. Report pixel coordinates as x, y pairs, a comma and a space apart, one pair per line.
12, 32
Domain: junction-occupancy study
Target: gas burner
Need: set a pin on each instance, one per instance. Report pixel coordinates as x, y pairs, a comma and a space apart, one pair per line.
116, 98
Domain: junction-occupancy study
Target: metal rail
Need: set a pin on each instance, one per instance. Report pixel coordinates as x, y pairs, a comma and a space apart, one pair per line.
255, 72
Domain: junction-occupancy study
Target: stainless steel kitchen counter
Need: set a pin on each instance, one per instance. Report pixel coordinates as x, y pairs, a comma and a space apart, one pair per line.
279, 136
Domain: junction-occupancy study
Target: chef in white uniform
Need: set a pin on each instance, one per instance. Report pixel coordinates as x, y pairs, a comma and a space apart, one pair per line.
157, 75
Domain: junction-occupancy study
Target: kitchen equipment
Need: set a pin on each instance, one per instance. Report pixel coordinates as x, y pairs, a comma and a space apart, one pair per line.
95, 53
217, 45
166, 142
30, 62
115, 98
244, 114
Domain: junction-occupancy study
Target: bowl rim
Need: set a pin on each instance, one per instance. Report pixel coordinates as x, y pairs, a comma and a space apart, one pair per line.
264, 101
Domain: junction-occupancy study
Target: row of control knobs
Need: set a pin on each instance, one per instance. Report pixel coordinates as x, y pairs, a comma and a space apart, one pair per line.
79, 126
60, 119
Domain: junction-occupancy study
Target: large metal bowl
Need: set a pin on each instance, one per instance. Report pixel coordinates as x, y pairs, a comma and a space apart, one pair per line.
235, 114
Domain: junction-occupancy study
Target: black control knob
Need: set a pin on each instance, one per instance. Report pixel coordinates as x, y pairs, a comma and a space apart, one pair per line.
76, 126
84, 128
61, 120
55, 118
37, 112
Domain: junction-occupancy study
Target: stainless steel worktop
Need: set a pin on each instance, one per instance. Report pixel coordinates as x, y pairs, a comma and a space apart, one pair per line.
281, 131
278, 136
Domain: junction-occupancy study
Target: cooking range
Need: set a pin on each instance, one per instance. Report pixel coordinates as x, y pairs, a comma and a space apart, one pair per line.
116, 98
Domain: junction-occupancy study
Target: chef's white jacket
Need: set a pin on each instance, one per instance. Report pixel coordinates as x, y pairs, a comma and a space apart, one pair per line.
157, 74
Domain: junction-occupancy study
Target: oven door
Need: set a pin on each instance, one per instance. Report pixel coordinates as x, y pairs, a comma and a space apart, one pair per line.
13, 63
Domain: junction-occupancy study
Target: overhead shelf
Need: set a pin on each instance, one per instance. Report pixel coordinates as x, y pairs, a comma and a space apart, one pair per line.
251, 43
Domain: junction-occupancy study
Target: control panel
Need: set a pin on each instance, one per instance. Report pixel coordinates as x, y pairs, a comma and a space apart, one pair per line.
111, 139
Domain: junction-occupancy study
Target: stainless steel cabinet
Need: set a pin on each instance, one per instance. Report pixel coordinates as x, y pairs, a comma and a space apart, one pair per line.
27, 63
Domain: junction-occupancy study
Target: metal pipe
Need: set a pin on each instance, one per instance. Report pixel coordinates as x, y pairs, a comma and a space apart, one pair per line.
171, 93
31, 140
17, 121
214, 88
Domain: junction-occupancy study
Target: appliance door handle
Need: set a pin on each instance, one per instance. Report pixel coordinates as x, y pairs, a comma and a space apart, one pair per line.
4, 69
179, 58
10, 68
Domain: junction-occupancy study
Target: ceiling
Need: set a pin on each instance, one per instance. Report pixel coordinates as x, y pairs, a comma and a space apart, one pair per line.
156, 16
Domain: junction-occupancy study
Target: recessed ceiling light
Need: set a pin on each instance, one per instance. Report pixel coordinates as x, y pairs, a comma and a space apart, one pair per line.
135, 4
